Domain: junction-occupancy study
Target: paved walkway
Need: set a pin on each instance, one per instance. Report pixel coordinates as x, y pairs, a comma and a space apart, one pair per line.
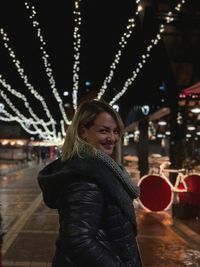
30, 229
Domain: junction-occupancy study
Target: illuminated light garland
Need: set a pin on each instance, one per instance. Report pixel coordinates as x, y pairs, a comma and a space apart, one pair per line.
47, 64
77, 45
12, 118
27, 105
21, 117
140, 65
22, 75
17, 119
122, 43
62, 128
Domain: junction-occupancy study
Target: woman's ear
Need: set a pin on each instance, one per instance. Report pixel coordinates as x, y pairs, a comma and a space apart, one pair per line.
82, 132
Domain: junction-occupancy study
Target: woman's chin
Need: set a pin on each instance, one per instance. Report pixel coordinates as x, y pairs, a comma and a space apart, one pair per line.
107, 151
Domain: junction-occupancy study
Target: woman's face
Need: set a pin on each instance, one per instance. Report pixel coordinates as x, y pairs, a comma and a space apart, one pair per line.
103, 134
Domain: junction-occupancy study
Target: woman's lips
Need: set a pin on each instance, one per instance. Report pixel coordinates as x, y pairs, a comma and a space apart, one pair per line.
108, 146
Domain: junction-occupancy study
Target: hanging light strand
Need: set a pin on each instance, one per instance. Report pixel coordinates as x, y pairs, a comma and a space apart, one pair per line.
77, 45
20, 116
146, 55
27, 105
24, 77
122, 44
10, 118
30, 121
46, 62
63, 131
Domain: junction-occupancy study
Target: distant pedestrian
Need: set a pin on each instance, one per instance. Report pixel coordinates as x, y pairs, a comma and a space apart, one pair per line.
92, 193
43, 156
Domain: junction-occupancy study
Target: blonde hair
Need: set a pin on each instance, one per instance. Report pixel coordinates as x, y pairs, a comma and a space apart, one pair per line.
86, 115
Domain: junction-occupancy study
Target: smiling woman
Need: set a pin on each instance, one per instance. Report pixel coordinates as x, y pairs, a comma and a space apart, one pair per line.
103, 134
92, 193
95, 125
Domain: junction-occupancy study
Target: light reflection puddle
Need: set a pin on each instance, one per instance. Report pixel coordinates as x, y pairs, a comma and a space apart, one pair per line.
192, 258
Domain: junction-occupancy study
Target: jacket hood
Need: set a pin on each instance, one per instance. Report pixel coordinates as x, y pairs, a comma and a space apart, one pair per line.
57, 174
52, 179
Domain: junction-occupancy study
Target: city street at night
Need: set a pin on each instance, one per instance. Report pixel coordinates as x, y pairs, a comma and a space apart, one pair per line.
29, 228
110, 88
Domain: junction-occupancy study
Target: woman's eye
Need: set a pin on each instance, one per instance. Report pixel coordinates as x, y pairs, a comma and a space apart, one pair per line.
103, 131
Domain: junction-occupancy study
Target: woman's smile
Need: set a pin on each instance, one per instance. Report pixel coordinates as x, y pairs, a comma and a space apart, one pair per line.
103, 134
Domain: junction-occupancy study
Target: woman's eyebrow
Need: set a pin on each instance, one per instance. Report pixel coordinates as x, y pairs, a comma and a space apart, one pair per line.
106, 127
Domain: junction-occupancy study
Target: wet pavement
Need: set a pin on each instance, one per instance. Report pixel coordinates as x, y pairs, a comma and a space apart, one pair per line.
160, 243
30, 229
11, 166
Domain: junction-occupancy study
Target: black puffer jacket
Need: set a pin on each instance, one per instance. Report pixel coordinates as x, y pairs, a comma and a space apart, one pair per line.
97, 220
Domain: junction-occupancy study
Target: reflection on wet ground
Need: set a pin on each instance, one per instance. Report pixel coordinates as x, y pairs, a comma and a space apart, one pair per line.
161, 246
31, 228
195, 224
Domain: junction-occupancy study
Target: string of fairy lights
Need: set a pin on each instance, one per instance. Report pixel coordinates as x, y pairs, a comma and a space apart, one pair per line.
77, 45
24, 122
30, 121
145, 56
26, 103
122, 44
45, 57
47, 128
22, 74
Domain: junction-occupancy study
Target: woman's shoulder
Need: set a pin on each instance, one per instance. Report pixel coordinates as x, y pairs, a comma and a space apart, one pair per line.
76, 176
81, 186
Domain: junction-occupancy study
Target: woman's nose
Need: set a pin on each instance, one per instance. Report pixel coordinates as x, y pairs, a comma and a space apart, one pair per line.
111, 136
